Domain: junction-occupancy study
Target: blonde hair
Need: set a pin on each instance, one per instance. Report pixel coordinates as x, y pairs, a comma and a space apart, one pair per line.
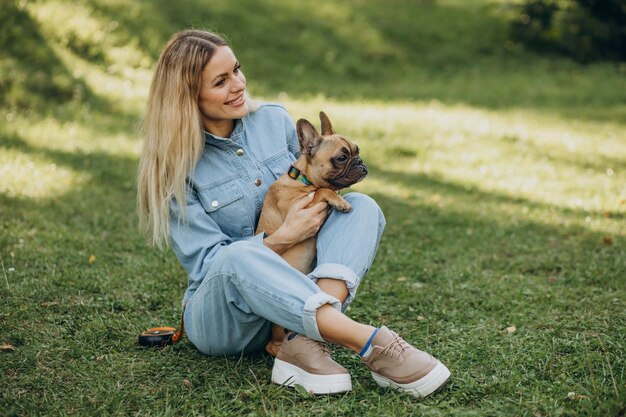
172, 130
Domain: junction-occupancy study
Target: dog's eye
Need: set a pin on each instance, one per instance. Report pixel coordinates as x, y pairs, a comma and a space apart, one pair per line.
342, 158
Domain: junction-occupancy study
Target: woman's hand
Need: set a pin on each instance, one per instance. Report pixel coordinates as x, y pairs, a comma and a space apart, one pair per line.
301, 223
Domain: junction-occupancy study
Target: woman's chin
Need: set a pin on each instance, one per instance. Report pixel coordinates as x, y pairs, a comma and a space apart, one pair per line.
239, 111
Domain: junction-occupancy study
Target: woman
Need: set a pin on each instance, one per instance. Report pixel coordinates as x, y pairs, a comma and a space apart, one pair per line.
209, 155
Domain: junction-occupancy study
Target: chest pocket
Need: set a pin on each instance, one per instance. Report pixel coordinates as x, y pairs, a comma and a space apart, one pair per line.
280, 164
227, 207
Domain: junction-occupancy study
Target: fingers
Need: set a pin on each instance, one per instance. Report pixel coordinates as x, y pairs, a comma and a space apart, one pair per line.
304, 201
319, 207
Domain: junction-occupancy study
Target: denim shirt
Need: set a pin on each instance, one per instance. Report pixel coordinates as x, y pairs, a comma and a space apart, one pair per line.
226, 190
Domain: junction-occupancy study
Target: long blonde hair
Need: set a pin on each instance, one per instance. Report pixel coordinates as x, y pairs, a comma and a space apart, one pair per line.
172, 130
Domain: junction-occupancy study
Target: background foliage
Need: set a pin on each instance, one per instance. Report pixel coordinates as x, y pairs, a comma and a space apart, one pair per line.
587, 30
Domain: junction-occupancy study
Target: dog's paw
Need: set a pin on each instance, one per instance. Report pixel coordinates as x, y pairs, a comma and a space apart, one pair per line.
342, 206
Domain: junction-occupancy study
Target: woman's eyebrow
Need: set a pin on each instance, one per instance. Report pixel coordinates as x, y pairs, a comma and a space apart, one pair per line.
225, 73
219, 76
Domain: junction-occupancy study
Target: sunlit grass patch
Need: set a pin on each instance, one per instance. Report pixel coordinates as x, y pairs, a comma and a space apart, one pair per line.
101, 60
80, 135
516, 152
35, 176
530, 166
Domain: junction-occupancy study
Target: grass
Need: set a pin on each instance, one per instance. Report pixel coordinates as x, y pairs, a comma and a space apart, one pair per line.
501, 174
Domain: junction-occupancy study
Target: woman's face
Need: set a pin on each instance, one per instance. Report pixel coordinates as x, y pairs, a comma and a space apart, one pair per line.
221, 98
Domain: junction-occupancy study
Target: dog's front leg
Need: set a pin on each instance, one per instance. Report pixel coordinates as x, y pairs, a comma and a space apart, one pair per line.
332, 198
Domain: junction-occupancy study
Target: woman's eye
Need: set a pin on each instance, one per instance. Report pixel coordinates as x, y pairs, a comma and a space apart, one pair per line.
236, 70
220, 82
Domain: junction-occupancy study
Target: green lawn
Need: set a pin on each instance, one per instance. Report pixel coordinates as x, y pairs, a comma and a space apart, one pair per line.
502, 175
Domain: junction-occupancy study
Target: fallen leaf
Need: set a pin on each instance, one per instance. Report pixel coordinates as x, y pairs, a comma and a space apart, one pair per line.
302, 391
92, 259
573, 396
607, 214
420, 318
511, 329
607, 240
6, 347
49, 303
402, 278
187, 383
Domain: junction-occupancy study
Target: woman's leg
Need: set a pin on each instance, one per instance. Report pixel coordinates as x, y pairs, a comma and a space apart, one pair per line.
346, 247
248, 287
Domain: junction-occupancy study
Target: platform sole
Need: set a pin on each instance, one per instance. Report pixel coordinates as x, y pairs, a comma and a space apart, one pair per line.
426, 385
284, 373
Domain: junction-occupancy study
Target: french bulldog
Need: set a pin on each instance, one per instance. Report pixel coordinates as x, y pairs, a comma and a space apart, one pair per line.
328, 163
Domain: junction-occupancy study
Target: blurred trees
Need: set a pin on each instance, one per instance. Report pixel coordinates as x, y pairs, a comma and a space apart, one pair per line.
586, 30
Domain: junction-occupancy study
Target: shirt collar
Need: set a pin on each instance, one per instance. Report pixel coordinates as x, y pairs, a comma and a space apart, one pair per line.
235, 136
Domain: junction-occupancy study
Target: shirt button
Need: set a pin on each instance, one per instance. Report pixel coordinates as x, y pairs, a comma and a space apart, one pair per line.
257, 182
239, 152
215, 204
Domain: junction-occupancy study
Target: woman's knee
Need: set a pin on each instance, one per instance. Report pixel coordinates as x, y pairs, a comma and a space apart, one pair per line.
237, 253
366, 205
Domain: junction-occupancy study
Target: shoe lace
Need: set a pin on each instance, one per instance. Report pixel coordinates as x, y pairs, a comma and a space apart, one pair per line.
396, 347
318, 346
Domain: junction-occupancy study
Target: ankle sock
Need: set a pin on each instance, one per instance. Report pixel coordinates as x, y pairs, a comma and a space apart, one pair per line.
367, 349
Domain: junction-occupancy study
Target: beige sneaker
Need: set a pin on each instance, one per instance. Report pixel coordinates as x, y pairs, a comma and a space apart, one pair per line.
306, 362
395, 363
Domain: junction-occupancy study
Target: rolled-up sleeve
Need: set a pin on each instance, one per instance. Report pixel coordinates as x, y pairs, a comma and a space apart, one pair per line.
197, 239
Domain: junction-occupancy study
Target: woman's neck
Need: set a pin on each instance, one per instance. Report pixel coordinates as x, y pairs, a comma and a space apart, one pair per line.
222, 128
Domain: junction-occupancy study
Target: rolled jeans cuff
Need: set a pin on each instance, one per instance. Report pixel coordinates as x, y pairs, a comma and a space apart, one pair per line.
309, 315
340, 272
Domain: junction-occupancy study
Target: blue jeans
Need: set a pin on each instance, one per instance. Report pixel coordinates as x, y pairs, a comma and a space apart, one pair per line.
249, 286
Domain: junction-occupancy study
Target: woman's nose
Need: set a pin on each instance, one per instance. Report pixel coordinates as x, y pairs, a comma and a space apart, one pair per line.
238, 84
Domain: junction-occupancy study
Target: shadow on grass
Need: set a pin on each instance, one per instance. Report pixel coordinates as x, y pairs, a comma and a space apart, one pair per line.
419, 51
473, 194
35, 80
489, 231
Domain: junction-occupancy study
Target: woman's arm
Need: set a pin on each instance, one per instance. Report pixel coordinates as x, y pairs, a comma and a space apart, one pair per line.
198, 239
301, 223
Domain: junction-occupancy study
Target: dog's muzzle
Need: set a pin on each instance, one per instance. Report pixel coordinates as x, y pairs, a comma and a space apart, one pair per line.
356, 171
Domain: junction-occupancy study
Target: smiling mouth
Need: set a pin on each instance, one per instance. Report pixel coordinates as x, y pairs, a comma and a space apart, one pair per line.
236, 102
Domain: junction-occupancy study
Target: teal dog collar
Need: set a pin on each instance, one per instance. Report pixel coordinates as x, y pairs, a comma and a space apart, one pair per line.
295, 173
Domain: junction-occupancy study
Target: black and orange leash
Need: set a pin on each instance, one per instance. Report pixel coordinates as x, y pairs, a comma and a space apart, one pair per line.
163, 336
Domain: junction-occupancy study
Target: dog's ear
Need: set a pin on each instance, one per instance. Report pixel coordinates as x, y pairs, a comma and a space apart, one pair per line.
308, 137
327, 127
